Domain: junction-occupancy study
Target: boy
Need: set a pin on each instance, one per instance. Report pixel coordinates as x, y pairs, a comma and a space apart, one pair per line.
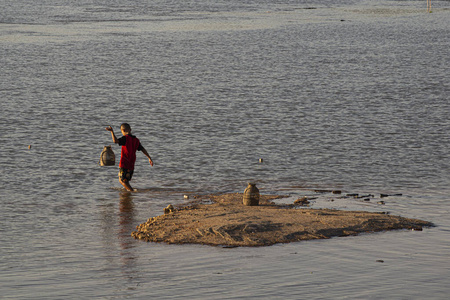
130, 144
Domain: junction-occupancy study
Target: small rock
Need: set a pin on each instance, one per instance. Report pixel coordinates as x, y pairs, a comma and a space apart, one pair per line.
336, 192
168, 209
302, 201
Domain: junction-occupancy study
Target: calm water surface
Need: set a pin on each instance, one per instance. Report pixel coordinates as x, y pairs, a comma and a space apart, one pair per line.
350, 95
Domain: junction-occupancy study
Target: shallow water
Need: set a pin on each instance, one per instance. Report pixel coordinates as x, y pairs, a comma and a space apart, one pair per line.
350, 96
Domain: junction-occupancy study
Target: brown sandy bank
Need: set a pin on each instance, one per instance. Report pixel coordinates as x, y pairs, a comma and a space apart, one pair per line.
227, 222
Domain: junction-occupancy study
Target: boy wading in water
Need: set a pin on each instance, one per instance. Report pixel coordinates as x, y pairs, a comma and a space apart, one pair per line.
130, 144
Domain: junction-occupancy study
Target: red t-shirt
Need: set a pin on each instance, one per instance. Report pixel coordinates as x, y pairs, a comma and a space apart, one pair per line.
130, 144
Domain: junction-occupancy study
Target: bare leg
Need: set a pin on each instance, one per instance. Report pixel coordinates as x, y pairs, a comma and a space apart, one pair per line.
126, 185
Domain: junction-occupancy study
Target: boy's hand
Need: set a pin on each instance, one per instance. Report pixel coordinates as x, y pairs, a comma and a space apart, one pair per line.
151, 162
109, 128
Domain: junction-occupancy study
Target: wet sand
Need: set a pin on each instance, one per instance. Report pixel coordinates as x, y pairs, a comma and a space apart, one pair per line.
225, 221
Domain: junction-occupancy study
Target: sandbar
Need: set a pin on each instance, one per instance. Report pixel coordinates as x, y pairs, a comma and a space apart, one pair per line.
225, 221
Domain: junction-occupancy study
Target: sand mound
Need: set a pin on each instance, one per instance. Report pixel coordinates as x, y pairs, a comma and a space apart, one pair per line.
227, 222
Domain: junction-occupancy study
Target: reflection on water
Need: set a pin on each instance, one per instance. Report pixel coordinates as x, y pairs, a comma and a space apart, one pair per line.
126, 216
117, 222
127, 224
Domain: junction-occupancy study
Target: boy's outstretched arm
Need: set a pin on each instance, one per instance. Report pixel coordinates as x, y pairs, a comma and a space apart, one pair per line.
114, 138
148, 156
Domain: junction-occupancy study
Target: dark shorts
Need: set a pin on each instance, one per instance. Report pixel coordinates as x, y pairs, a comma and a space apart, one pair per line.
125, 175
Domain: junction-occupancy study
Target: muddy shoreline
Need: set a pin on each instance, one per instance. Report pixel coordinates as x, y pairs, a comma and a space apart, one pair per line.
225, 221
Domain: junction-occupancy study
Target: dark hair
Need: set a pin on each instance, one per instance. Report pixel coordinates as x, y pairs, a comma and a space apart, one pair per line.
125, 126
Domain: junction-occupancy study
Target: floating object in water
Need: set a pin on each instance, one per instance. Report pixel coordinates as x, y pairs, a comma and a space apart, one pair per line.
381, 202
365, 196
107, 158
186, 196
388, 195
336, 192
29, 146
261, 160
251, 195
322, 191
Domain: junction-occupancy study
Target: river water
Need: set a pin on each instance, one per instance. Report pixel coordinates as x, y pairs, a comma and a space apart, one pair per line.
348, 95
